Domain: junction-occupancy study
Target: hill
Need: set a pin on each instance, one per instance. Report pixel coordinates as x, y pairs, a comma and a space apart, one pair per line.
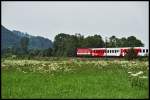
12, 39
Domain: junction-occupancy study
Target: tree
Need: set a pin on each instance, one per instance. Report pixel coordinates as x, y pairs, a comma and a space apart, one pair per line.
71, 45
48, 52
80, 40
112, 41
60, 43
133, 42
24, 44
33, 52
93, 42
123, 42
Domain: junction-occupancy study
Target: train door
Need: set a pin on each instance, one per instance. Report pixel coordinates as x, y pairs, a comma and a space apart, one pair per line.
123, 52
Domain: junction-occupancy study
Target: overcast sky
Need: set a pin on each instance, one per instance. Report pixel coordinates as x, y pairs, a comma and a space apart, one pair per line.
47, 19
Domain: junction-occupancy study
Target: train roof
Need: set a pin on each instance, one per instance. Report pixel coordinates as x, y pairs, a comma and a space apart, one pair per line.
115, 48
121, 48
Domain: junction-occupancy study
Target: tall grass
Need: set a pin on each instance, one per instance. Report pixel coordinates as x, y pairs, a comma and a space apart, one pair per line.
94, 79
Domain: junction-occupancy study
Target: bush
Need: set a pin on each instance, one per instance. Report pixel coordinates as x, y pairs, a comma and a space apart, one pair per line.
131, 54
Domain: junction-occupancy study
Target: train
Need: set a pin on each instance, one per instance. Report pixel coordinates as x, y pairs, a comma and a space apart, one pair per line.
111, 52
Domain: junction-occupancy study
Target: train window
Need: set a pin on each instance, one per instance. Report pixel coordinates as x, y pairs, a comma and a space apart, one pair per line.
140, 50
107, 51
115, 51
112, 51
146, 50
143, 50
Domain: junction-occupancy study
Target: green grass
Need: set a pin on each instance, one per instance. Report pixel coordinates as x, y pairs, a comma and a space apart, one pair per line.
84, 82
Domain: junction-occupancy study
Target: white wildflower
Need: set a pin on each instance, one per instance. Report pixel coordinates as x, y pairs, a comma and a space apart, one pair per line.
43, 65
40, 68
129, 72
53, 68
3, 65
140, 72
133, 62
24, 72
134, 74
143, 77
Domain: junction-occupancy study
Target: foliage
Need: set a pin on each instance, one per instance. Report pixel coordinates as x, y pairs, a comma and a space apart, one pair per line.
24, 44
131, 54
93, 42
131, 41
45, 52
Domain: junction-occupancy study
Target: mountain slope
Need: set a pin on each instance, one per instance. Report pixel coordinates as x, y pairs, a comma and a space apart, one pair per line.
38, 42
12, 38
8, 38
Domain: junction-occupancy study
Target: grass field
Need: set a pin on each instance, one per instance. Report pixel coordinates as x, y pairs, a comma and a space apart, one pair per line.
74, 78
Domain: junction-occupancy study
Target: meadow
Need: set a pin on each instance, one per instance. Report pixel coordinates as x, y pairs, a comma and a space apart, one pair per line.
74, 78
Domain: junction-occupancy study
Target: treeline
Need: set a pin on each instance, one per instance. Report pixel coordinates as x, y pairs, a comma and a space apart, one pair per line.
65, 45
23, 50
